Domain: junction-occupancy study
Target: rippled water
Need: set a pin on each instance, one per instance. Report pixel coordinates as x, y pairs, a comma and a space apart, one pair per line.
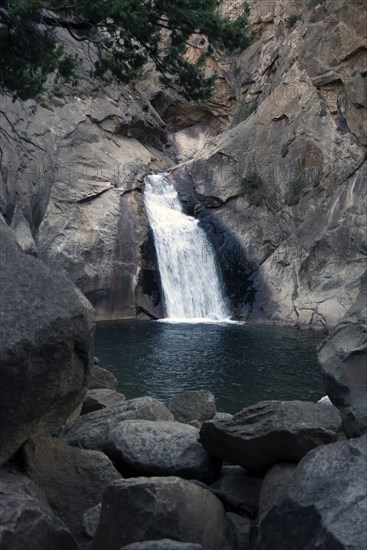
240, 364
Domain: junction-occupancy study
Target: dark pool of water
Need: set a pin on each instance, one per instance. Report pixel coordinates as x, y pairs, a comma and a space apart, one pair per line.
240, 364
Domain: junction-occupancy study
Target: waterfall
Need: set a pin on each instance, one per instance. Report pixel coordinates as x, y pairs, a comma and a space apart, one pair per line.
186, 261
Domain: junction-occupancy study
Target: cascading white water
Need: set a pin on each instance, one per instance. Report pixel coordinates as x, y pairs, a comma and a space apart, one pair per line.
189, 275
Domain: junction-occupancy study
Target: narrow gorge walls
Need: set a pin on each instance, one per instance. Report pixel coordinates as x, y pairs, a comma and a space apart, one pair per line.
274, 165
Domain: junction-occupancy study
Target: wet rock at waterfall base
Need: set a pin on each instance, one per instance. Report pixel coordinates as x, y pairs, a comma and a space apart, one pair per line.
46, 347
101, 399
156, 508
326, 503
26, 520
73, 480
271, 431
91, 430
143, 447
192, 405
343, 361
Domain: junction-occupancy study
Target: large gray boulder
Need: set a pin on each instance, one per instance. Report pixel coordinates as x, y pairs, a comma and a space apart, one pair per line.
73, 480
26, 520
326, 504
240, 528
343, 361
91, 430
101, 378
145, 447
91, 520
192, 405
271, 431
155, 508
46, 347
101, 399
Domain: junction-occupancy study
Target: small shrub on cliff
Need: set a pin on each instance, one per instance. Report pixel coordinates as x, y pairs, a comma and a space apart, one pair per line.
314, 3
246, 109
296, 188
251, 184
323, 108
292, 20
284, 150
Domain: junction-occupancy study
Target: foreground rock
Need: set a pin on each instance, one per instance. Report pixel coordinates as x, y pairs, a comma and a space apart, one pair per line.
326, 505
238, 490
240, 528
157, 508
343, 361
192, 405
101, 399
46, 347
274, 485
270, 432
26, 520
144, 447
101, 378
91, 520
91, 430
163, 544
72, 480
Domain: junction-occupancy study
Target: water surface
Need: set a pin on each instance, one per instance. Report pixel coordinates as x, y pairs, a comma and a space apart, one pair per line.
240, 364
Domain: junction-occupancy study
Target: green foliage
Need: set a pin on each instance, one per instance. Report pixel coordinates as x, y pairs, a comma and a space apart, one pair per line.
251, 180
126, 35
292, 20
255, 198
314, 3
246, 109
284, 150
323, 109
251, 184
296, 187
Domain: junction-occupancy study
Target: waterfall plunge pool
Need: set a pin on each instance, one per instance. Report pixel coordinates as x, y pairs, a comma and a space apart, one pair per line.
240, 364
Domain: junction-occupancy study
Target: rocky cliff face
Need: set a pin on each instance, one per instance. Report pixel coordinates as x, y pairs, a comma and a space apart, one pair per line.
274, 165
70, 187
287, 184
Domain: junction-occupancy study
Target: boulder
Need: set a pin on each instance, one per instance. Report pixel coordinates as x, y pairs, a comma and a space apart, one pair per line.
100, 399
145, 447
274, 485
92, 429
26, 520
270, 432
163, 544
72, 479
101, 378
222, 416
343, 361
160, 507
46, 347
326, 504
240, 529
192, 405
238, 490
91, 520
